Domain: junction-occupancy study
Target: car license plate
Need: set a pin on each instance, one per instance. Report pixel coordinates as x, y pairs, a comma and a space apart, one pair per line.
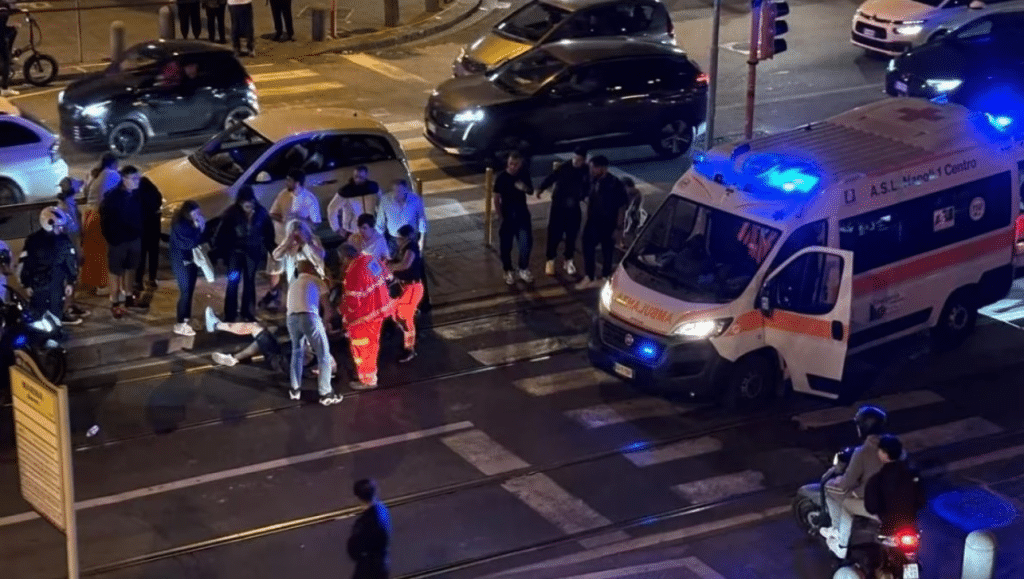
911, 571
901, 87
623, 370
873, 33
431, 127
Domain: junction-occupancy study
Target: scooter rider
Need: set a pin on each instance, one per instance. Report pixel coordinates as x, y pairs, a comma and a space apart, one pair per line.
845, 493
49, 266
894, 495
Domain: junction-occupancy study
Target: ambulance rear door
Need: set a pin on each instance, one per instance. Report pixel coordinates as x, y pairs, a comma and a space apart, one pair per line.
805, 304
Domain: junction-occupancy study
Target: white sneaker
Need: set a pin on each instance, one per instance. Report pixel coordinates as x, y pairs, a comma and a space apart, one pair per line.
211, 320
570, 267
9, 92
224, 359
526, 276
183, 329
295, 394
549, 267
330, 399
510, 278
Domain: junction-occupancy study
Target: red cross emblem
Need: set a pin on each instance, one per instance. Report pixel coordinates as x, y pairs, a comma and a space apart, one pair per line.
928, 114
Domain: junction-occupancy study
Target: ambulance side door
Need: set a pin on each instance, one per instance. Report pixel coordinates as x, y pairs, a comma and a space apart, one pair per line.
805, 304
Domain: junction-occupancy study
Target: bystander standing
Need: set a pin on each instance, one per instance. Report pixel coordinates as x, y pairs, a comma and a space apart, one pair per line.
570, 181
606, 207
121, 221
245, 236
150, 200
370, 541
511, 187
358, 196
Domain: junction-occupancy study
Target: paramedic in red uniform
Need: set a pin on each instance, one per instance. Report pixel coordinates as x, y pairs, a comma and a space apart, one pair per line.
364, 307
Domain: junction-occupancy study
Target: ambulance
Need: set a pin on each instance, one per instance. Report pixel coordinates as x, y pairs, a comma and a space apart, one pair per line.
773, 260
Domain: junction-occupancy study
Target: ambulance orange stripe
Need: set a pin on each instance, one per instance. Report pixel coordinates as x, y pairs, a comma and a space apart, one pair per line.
785, 321
870, 282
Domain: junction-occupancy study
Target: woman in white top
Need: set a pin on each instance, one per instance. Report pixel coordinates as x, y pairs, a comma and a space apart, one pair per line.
293, 203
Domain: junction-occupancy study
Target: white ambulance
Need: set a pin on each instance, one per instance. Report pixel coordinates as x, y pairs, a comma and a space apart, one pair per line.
780, 256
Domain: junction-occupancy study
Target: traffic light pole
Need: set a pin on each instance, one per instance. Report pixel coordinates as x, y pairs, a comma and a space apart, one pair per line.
713, 73
755, 26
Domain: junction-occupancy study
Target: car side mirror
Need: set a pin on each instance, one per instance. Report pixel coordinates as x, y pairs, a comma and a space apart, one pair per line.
940, 33
263, 177
976, 5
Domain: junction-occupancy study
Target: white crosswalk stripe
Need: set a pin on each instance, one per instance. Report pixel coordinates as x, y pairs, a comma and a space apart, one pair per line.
626, 411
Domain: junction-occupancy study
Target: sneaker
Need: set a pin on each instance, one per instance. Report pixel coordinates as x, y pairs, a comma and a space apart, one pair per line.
549, 267
409, 355
526, 276
183, 329
330, 399
69, 319
211, 320
9, 92
570, 267
357, 385
224, 359
295, 394
510, 278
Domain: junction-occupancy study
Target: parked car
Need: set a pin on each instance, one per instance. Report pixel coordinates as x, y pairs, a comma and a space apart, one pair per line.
261, 150
159, 91
892, 27
545, 21
977, 66
600, 92
31, 165
955, 20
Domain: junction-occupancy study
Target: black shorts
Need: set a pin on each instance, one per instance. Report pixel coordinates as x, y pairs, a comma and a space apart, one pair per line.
124, 257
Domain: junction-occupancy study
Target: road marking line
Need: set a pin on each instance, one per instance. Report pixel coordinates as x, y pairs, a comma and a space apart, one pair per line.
461, 330
483, 452
439, 186
428, 164
415, 144
543, 293
702, 569
299, 89
625, 411
973, 461
891, 403
400, 126
115, 337
716, 488
949, 433
809, 95
283, 75
250, 469
638, 570
677, 451
465, 208
1006, 310
533, 349
562, 381
381, 67
556, 505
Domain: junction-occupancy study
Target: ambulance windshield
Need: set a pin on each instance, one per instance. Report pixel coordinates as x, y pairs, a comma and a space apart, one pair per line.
698, 254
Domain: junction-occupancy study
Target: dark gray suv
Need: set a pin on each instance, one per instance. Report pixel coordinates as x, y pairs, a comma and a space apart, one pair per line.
594, 93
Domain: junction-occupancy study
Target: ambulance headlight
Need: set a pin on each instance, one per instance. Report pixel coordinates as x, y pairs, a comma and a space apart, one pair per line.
943, 84
703, 329
606, 296
910, 28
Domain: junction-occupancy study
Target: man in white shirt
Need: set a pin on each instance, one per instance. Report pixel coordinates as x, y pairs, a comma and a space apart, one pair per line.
293, 202
360, 195
401, 207
368, 240
306, 296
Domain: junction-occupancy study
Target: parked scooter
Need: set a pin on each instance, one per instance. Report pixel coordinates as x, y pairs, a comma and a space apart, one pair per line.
40, 338
872, 555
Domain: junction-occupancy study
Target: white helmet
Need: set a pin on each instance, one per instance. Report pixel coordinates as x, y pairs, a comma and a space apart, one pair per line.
51, 217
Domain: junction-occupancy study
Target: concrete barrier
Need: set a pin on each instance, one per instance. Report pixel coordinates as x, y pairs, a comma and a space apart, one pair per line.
979, 555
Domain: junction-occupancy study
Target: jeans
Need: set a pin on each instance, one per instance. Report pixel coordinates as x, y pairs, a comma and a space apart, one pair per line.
842, 507
188, 13
185, 274
241, 26
282, 10
215, 23
521, 231
563, 223
241, 270
150, 256
310, 327
594, 235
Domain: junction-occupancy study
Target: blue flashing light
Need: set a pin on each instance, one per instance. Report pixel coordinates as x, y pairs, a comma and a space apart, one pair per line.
647, 351
791, 179
20, 341
999, 121
636, 446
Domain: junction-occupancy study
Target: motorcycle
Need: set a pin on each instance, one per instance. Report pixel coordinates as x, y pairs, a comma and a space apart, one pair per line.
871, 554
39, 338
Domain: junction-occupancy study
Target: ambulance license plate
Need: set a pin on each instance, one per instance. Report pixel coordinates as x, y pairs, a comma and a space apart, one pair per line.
901, 87
431, 127
911, 571
623, 370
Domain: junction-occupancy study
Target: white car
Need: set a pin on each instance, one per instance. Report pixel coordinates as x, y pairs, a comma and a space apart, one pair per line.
31, 166
260, 151
892, 27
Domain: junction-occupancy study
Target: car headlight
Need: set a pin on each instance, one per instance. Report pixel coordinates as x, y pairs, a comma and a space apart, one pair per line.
703, 329
95, 110
943, 84
892, 65
910, 28
473, 116
606, 296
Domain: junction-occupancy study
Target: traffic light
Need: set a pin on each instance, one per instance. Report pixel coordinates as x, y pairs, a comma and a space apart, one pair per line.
769, 43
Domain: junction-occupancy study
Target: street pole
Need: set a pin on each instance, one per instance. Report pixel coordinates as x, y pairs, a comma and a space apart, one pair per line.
78, 17
709, 132
755, 24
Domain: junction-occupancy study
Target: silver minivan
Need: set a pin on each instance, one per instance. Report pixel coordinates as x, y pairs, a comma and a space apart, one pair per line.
545, 21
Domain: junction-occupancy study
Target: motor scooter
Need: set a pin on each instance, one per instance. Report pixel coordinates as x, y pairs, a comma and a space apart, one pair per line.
40, 338
871, 554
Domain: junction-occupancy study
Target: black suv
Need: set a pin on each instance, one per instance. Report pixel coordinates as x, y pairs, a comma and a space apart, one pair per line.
160, 90
601, 92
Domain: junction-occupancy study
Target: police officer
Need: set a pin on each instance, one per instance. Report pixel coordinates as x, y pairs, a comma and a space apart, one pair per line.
49, 266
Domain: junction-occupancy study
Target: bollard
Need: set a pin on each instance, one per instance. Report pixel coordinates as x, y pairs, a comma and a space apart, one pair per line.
488, 207
979, 555
318, 19
165, 20
847, 573
116, 40
390, 13
418, 186
433, 5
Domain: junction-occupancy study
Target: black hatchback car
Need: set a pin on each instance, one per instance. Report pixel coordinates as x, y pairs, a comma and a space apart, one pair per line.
165, 90
594, 93
978, 66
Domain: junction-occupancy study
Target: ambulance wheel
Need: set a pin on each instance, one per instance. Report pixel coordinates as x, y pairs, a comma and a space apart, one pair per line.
750, 383
956, 322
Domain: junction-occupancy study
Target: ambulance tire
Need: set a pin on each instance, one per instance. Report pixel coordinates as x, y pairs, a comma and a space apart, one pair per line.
956, 321
750, 382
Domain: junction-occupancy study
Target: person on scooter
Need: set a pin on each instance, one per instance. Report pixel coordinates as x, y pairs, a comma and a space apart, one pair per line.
845, 493
894, 495
49, 266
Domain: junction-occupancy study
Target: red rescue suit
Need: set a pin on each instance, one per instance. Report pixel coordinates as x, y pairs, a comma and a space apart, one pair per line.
364, 307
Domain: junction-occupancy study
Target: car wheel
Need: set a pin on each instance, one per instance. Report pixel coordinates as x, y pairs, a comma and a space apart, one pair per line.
750, 383
126, 139
237, 115
956, 321
673, 139
40, 69
10, 193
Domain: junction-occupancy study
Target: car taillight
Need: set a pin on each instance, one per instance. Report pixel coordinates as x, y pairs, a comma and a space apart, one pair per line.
249, 82
702, 78
907, 541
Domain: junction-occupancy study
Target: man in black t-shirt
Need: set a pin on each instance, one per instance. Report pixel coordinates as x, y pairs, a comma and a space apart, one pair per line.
511, 188
606, 211
570, 180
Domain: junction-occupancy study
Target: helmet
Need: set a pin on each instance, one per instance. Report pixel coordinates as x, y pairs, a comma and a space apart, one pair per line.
5, 254
870, 420
51, 217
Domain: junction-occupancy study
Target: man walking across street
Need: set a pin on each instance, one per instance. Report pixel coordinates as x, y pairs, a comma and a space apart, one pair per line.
49, 266
570, 180
511, 188
369, 543
365, 305
282, 10
606, 207
358, 196
121, 219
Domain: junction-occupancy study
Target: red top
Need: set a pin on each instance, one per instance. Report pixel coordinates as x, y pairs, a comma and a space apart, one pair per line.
366, 291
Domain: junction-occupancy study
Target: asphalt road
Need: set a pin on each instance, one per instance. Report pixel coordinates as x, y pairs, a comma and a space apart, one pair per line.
498, 447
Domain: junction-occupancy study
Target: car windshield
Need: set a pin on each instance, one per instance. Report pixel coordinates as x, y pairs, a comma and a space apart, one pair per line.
698, 254
225, 157
533, 22
137, 61
526, 74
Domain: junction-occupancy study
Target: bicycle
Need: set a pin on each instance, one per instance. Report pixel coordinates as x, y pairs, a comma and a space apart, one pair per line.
38, 69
